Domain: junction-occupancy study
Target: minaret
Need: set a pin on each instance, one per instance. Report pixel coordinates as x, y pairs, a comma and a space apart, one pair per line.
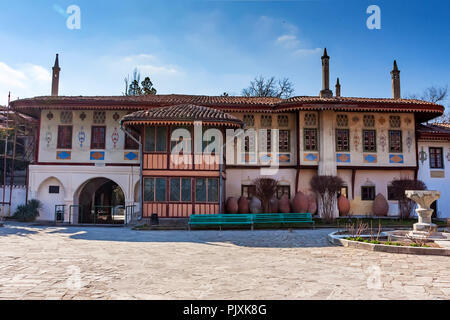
338, 88
55, 79
395, 75
326, 92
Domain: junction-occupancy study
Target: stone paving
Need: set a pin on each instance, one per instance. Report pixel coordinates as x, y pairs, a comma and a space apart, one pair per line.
119, 263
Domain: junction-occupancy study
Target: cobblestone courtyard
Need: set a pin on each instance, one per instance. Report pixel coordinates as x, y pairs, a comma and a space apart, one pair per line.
118, 263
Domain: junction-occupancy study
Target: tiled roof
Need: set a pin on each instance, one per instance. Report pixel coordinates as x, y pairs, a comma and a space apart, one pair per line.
182, 113
427, 110
435, 131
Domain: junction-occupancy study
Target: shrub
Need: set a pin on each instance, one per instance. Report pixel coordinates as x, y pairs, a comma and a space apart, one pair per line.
266, 189
28, 212
405, 204
327, 188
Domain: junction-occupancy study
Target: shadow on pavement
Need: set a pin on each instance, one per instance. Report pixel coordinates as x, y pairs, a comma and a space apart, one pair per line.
300, 238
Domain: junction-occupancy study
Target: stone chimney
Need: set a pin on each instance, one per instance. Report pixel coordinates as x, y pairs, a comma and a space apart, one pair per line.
326, 92
395, 75
55, 78
338, 88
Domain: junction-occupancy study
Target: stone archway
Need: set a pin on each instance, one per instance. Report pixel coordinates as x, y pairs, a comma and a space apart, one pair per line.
51, 193
101, 201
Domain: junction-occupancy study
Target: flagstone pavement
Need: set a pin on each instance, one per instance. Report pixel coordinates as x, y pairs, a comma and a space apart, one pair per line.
119, 263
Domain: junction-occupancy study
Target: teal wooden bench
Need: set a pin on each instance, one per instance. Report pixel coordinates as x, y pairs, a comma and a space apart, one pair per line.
220, 220
250, 219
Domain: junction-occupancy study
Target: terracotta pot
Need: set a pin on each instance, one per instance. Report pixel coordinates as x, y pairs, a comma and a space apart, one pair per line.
284, 205
232, 206
312, 204
380, 206
343, 206
300, 203
243, 205
274, 205
255, 205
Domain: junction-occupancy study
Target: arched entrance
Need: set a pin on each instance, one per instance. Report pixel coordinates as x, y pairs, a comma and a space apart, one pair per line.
101, 201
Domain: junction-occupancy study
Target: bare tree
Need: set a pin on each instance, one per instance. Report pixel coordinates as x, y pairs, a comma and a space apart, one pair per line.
266, 188
436, 95
270, 87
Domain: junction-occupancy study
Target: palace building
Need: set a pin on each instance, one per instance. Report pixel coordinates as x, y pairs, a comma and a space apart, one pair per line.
93, 152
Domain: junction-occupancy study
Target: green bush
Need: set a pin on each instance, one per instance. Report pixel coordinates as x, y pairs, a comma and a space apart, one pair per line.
28, 212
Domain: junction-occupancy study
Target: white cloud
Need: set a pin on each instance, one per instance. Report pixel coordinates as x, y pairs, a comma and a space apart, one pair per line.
307, 52
25, 80
149, 64
288, 41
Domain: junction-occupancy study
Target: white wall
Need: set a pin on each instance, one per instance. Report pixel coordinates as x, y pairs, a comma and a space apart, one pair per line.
71, 179
436, 183
18, 198
81, 152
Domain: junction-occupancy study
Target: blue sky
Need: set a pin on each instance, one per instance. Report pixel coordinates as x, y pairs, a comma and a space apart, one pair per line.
209, 47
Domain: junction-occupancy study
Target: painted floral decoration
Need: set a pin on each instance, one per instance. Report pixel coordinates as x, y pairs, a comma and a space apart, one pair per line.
81, 137
115, 137
83, 116
116, 116
50, 116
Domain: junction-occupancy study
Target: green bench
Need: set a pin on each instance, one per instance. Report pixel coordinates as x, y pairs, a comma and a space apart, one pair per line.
220, 220
250, 219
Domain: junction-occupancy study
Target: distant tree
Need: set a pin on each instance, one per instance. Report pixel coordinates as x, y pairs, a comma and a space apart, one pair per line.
436, 95
147, 87
225, 94
270, 87
135, 87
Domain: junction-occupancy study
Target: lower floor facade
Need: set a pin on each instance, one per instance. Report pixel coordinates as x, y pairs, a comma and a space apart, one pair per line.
101, 194
84, 194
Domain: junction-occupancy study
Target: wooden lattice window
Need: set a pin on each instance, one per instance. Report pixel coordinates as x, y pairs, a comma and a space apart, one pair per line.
65, 137
180, 190
310, 120
130, 144
395, 121
342, 120
283, 121
368, 193
66, 117
284, 140
283, 190
98, 137
342, 140
369, 121
155, 139
248, 191
99, 117
207, 190
436, 158
155, 189
266, 121
310, 139
249, 120
395, 141
370, 140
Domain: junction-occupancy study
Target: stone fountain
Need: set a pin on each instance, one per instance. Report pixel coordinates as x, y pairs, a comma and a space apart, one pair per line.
425, 227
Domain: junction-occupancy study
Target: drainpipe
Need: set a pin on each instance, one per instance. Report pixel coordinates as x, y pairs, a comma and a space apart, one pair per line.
141, 167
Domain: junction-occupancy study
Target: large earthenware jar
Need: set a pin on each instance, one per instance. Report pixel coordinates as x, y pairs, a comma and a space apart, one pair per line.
274, 205
255, 205
312, 204
243, 205
380, 206
232, 205
343, 206
284, 204
300, 203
